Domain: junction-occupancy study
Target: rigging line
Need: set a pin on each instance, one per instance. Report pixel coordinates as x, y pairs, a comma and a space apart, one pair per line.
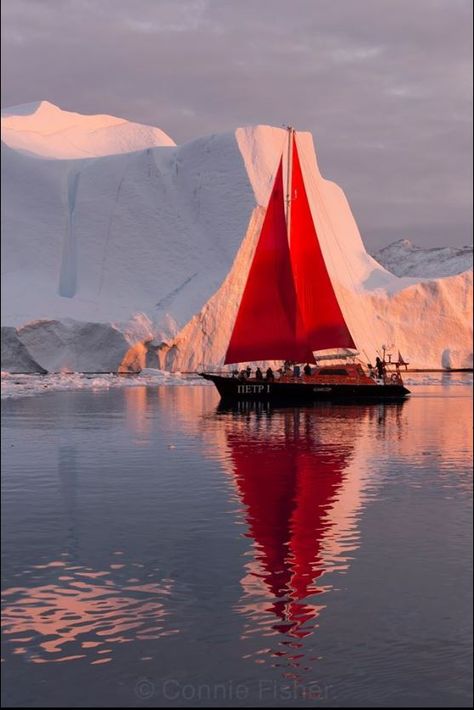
328, 255
315, 187
359, 312
322, 208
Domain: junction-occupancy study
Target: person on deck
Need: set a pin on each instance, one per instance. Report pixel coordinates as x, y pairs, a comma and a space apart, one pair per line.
248, 370
270, 375
307, 369
296, 371
258, 374
380, 366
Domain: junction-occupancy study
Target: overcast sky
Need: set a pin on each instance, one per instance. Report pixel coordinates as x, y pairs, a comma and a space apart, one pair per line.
384, 86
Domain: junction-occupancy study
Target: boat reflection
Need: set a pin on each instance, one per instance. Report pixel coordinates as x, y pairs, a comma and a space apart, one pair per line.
300, 477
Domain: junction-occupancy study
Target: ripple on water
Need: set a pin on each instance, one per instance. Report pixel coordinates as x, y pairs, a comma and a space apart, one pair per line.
75, 612
326, 543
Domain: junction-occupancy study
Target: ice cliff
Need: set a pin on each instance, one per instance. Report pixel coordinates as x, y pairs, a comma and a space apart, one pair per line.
122, 250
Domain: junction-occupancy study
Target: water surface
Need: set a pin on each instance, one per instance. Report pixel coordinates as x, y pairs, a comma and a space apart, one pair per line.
158, 550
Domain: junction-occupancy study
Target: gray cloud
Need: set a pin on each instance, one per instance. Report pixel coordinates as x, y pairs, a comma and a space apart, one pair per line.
385, 87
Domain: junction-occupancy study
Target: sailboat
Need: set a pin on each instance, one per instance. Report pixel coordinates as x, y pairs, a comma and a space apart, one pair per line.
289, 310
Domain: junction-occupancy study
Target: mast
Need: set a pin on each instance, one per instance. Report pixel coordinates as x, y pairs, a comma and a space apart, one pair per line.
289, 170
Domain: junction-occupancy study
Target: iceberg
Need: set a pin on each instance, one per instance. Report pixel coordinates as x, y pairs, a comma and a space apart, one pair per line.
122, 250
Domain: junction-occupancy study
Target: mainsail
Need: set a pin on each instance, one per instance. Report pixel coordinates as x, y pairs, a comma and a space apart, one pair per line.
269, 324
289, 307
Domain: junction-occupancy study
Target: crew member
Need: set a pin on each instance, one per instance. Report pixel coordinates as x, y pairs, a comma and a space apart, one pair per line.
380, 366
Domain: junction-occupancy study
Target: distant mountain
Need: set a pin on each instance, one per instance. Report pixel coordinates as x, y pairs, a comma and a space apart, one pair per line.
403, 258
44, 130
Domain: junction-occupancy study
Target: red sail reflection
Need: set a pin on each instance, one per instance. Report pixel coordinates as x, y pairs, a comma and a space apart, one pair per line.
288, 480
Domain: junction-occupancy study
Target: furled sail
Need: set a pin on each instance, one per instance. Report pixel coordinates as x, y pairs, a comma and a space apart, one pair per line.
322, 316
269, 325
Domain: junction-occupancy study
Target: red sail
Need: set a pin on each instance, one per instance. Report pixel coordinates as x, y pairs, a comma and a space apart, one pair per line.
269, 325
323, 320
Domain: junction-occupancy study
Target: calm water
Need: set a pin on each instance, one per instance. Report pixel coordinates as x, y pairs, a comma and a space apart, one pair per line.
158, 551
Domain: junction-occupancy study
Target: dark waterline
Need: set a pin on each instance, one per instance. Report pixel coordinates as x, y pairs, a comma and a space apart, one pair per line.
160, 551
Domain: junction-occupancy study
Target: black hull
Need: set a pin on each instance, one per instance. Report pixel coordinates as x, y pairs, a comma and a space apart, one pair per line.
232, 389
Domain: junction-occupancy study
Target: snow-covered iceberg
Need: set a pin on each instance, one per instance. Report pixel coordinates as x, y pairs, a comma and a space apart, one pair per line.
137, 254
404, 258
